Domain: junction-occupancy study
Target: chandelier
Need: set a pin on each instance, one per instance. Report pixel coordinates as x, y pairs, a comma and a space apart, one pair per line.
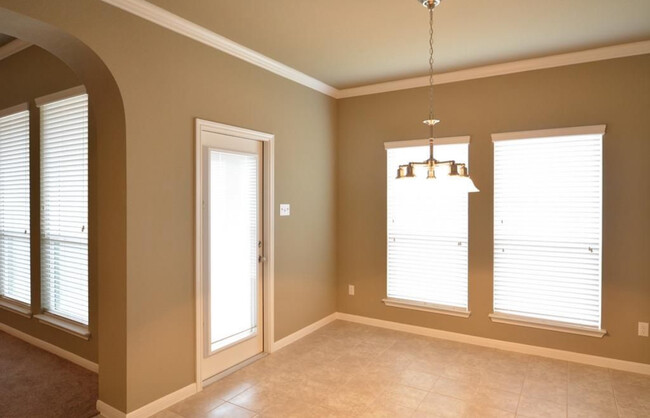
456, 174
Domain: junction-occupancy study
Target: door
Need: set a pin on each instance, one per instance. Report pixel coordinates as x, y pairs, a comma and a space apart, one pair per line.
232, 248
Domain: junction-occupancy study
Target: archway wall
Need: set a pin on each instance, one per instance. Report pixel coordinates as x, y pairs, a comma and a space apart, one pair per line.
166, 80
110, 180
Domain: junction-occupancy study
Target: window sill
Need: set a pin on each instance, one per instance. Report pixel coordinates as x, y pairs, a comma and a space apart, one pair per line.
427, 307
70, 327
16, 307
547, 325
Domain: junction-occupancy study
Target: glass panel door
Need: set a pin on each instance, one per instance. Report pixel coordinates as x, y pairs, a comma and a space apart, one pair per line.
232, 251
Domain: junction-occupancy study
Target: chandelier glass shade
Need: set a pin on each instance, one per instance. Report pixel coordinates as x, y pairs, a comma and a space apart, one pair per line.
456, 175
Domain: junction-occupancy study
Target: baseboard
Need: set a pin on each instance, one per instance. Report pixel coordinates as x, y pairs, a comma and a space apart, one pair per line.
107, 411
628, 366
303, 332
51, 348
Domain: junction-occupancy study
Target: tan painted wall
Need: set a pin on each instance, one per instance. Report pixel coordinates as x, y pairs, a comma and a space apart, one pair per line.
167, 80
615, 92
25, 76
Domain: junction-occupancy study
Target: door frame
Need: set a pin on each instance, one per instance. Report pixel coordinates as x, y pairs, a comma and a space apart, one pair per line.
268, 141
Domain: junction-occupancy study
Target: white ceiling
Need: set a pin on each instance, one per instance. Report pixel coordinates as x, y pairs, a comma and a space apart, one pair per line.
347, 43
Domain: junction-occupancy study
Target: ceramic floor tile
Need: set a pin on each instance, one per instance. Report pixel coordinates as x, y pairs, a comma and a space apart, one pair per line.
196, 405
435, 405
164, 414
228, 410
549, 390
416, 379
539, 408
455, 388
347, 370
498, 399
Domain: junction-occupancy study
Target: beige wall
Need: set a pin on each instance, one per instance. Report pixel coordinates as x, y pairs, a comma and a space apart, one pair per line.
166, 81
25, 76
615, 92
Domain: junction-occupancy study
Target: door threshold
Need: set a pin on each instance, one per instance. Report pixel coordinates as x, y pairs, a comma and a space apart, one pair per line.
233, 369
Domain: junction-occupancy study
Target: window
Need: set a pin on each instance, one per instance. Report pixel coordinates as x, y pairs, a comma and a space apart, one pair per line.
14, 208
547, 228
64, 208
427, 232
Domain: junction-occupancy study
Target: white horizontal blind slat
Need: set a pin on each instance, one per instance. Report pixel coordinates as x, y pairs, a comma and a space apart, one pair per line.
547, 228
64, 208
427, 232
15, 270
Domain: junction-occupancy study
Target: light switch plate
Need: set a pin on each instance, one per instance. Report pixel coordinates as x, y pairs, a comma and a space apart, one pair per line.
643, 329
285, 209
351, 289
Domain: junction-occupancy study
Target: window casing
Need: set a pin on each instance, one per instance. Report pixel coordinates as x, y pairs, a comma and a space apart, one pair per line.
64, 208
427, 234
15, 269
547, 227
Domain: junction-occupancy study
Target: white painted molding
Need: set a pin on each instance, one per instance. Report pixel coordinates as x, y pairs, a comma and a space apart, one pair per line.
13, 47
107, 411
551, 61
547, 325
611, 363
422, 142
74, 358
14, 109
550, 133
60, 95
187, 28
291, 338
426, 307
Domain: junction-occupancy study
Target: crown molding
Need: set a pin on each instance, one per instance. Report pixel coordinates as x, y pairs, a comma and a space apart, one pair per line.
13, 47
551, 61
175, 23
168, 20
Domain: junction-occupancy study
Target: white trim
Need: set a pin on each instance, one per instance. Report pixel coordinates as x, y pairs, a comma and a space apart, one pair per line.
14, 306
551, 61
13, 47
628, 366
202, 125
14, 109
233, 369
78, 330
548, 133
426, 307
107, 411
187, 28
292, 338
548, 325
60, 95
51, 348
422, 142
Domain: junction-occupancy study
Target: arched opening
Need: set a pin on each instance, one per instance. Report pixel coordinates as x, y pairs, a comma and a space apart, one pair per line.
108, 124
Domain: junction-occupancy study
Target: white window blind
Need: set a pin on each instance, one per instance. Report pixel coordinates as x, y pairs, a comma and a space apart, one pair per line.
427, 233
14, 207
64, 208
547, 228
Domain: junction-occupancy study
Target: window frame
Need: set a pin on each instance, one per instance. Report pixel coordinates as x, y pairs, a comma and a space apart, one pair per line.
44, 316
540, 323
420, 305
17, 306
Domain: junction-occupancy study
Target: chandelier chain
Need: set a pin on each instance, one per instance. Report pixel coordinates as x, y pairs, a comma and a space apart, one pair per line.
431, 68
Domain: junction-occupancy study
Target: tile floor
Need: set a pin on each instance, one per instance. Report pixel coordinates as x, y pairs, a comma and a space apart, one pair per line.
352, 370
